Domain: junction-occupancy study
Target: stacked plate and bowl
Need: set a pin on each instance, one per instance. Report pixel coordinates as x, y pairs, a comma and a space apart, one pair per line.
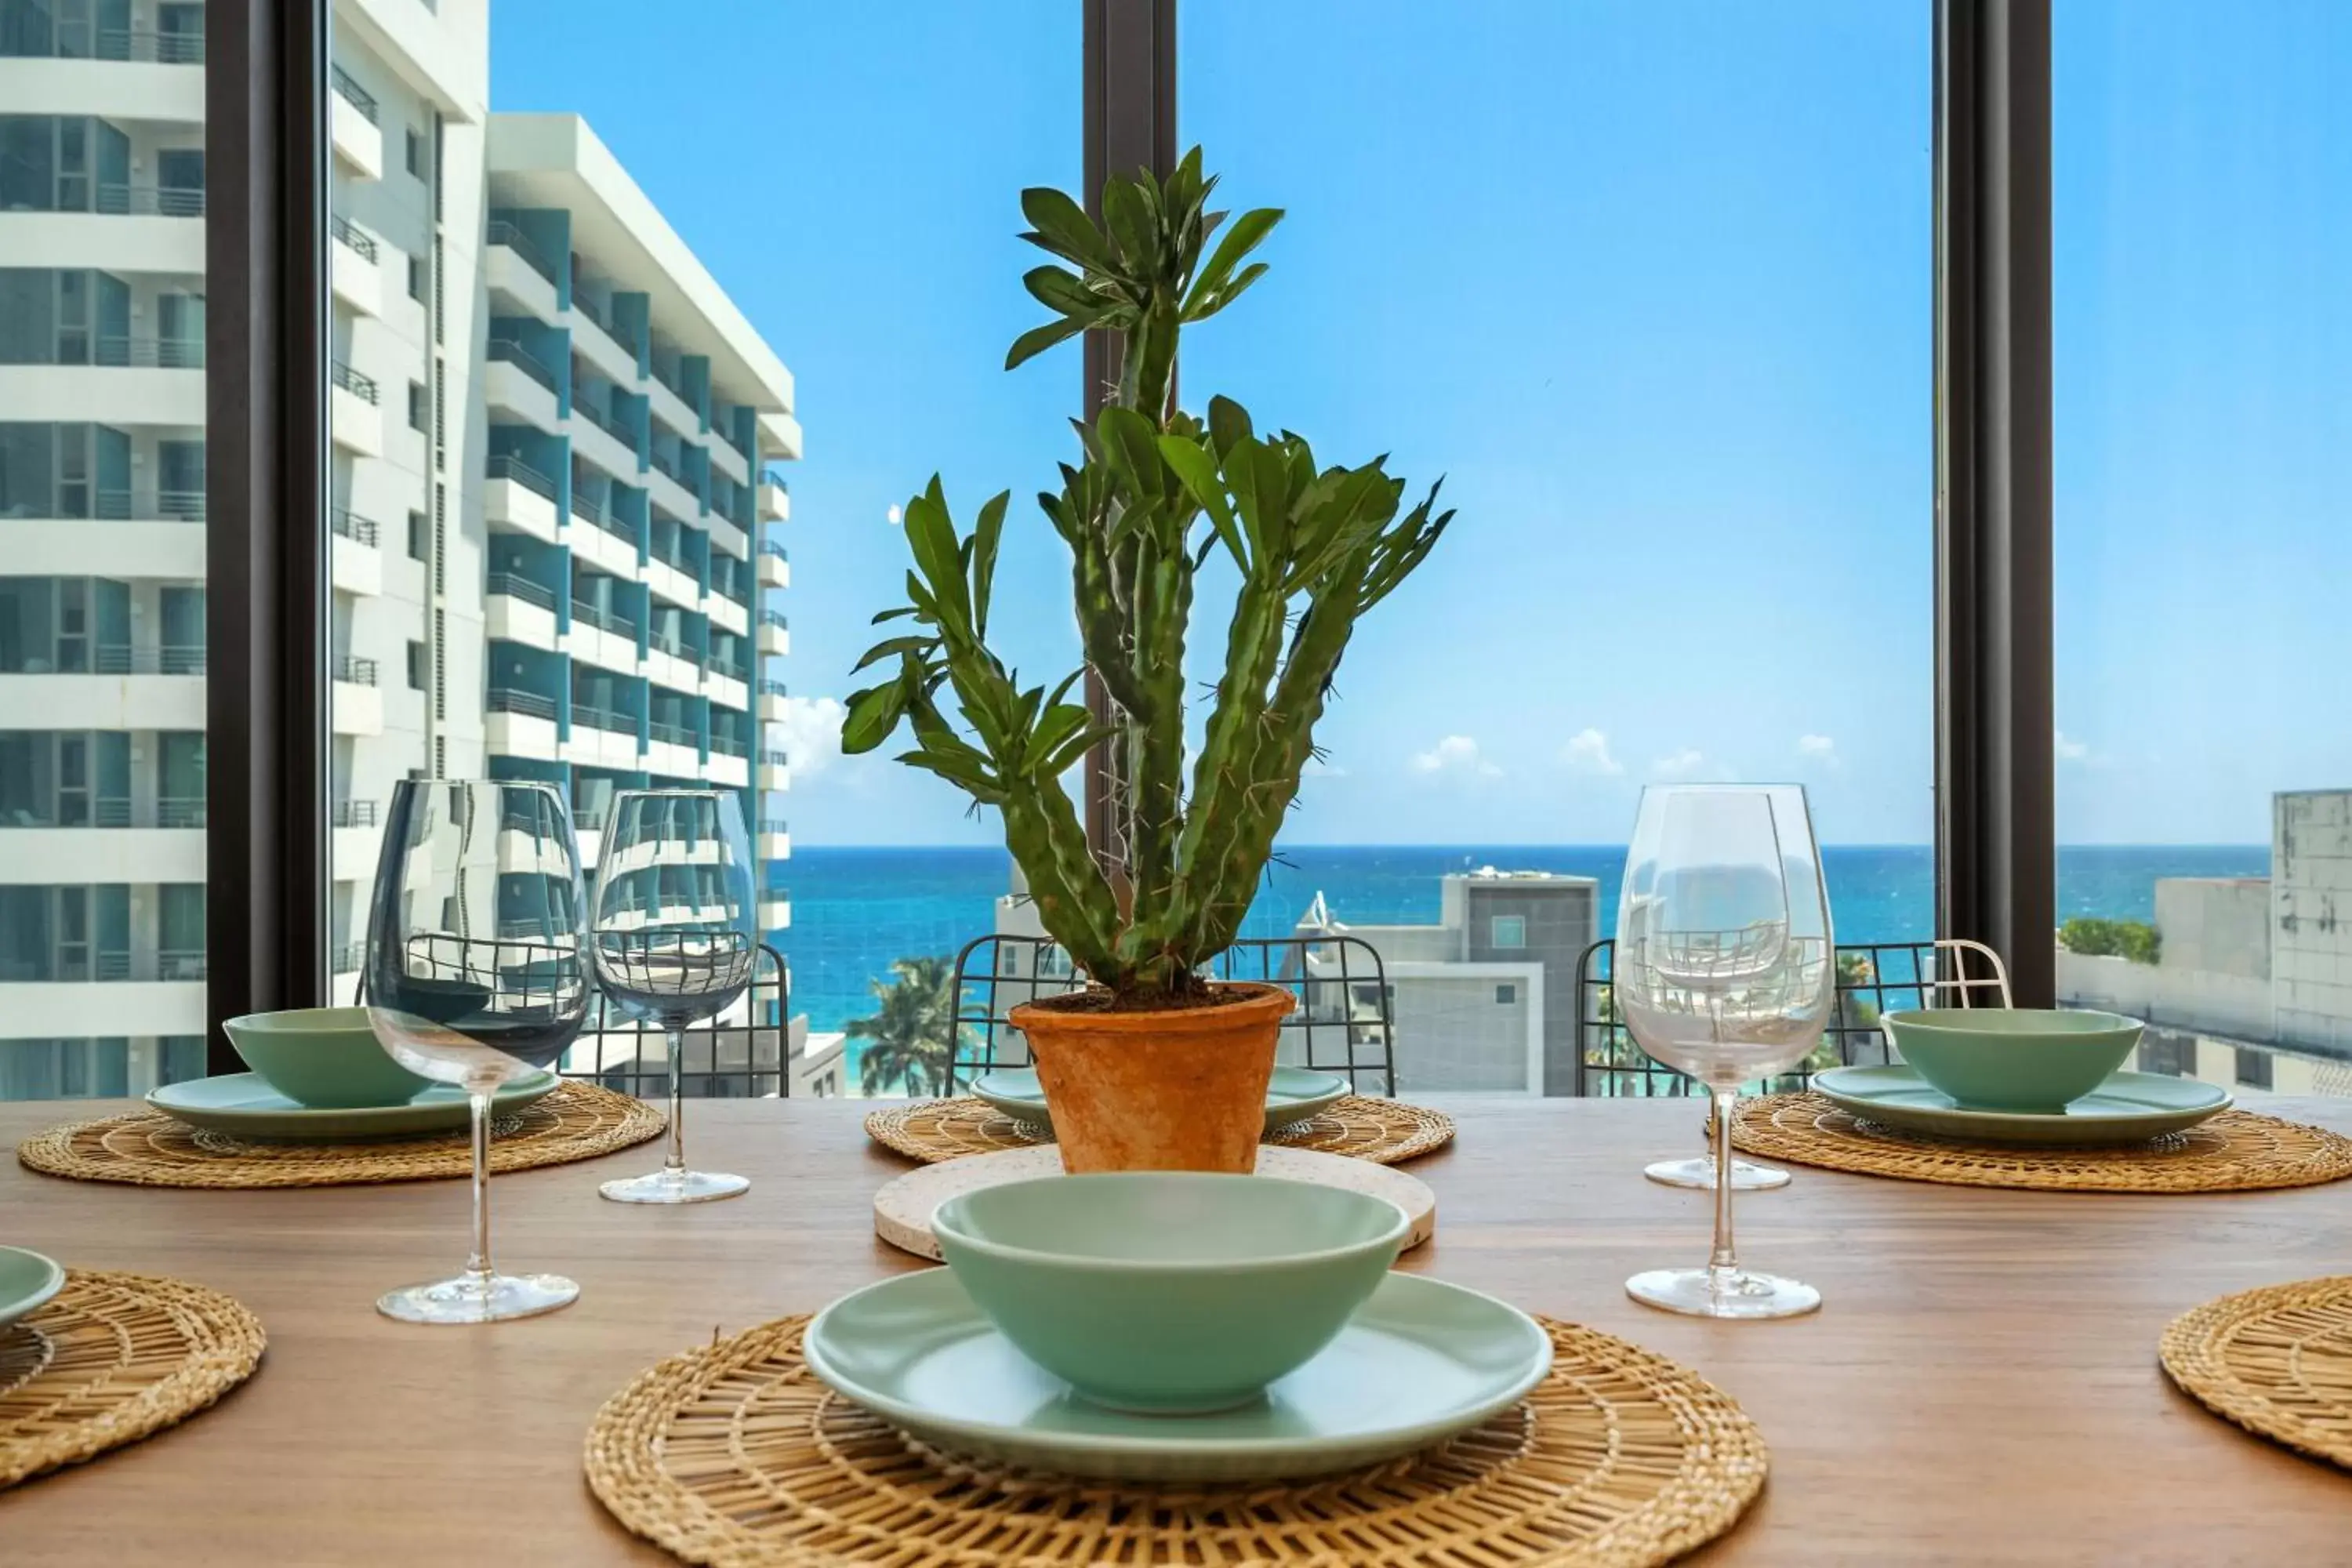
1175, 1326
320, 1075
2019, 1075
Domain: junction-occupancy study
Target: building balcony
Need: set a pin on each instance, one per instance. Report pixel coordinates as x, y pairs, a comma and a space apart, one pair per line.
148, 698
140, 75
355, 841
355, 706
516, 609
675, 757
352, 125
726, 460
603, 638
677, 670
773, 501
516, 284
169, 847
726, 771
520, 724
726, 613
726, 538
775, 840
670, 406
355, 411
775, 772
780, 434
515, 382
775, 636
418, 42
672, 583
120, 243
775, 911
775, 702
670, 492
600, 738
356, 269
597, 345
518, 499
137, 381
593, 437
775, 566
355, 563
127, 529
725, 689
142, 1003
607, 543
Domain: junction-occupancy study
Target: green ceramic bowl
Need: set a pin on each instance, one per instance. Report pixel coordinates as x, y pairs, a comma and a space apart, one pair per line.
2013, 1059
323, 1056
1168, 1291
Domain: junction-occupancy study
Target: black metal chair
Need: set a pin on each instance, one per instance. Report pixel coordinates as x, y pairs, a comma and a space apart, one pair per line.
1345, 1022
1873, 977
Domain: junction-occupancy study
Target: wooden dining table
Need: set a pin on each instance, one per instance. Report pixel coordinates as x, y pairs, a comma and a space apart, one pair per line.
1980, 1385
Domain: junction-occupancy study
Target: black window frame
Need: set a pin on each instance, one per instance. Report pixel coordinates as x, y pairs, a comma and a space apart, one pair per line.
266, 225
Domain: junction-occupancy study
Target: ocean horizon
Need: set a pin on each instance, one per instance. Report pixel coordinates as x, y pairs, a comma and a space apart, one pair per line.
856, 909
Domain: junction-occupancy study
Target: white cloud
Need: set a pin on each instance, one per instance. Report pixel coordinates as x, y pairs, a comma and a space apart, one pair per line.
894, 516
2071, 750
1817, 745
1454, 754
1587, 752
1682, 764
809, 734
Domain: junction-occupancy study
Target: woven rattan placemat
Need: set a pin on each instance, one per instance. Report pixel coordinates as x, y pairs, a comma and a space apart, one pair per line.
2236, 1151
1383, 1130
111, 1359
734, 1455
578, 1122
2276, 1361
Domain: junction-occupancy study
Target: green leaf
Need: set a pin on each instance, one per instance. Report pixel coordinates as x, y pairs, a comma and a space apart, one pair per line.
1197, 467
1226, 295
1063, 228
1249, 231
984, 536
1127, 212
873, 714
931, 536
882, 616
1229, 424
1037, 340
893, 648
1057, 288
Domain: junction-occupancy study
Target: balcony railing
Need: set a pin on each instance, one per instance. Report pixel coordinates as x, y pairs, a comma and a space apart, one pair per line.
350, 957
612, 621
362, 387
674, 377
150, 201
168, 658
723, 432
589, 818
352, 670
673, 734
180, 811
605, 719
348, 524
118, 504
355, 95
727, 745
180, 963
524, 588
513, 699
774, 618
733, 583
501, 232
78, 40
772, 688
116, 352
664, 464
673, 645
607, 422
771, 547
586, 304
587, 507
351, 234
180, 506
507, 467
521, 358
773, 759
774, 825
354, 814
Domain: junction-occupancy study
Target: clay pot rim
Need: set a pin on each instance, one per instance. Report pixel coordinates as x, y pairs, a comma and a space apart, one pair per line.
1267, 1000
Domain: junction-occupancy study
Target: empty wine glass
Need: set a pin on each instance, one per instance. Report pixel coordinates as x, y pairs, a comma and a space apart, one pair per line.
675, 937
1722, 971
477, 974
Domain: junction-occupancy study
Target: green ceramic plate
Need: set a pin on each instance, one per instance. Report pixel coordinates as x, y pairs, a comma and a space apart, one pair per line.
27, 1279
2129, 1108
1419, 1362
1294, 1095
243, 1104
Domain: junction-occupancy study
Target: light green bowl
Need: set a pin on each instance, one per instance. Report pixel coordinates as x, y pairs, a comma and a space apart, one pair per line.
1168, 1291
323, 1056
2013, 1059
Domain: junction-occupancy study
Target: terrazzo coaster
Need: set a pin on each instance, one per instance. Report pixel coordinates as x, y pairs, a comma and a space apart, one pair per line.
902, 1209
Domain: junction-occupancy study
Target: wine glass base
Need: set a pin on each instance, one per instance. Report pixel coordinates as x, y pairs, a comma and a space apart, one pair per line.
479, 1298
1698, 1172
675, 1187
1723, 1293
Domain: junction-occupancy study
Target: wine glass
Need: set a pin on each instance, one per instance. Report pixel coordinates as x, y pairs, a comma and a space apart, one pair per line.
1722, 971
674, 937
477, 974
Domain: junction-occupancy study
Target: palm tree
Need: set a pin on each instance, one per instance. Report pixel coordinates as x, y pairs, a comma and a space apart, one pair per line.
909, 1042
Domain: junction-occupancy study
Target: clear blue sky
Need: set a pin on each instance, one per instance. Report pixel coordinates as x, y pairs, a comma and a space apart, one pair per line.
1650, 283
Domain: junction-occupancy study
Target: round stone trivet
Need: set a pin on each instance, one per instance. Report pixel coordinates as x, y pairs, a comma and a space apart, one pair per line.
1359, 1126
732, 1455
2276, 1361
578, 1122
902, 1209
111, 1359
2235, 1152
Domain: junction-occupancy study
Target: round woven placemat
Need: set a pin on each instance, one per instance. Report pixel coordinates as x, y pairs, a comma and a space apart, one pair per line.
113, 1358
2276, 1361
2236, 1151
735, 1455
1381, 1131
578, 1122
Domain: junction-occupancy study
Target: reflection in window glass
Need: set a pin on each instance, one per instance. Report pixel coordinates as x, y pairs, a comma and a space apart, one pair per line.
102, 200
2203, 230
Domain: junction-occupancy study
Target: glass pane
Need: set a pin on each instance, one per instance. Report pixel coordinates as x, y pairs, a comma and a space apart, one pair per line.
2204, 453
1649, 287
101, 553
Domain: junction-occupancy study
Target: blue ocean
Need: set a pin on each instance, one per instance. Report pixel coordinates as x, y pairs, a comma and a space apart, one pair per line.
855, 911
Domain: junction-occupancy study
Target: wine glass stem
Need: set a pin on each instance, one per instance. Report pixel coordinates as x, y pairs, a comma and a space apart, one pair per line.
676, 1164
1722, 1260
478, 1267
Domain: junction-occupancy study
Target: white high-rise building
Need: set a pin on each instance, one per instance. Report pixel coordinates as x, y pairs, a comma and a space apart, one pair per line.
549, 497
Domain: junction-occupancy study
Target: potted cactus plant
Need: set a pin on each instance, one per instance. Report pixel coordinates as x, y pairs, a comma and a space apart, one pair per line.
1154, 1065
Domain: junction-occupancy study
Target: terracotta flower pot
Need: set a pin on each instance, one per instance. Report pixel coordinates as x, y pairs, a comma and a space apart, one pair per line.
1175, 1088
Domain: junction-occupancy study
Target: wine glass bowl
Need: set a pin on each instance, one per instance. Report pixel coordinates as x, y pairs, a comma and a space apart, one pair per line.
674, 940
477, 973
1722, 969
